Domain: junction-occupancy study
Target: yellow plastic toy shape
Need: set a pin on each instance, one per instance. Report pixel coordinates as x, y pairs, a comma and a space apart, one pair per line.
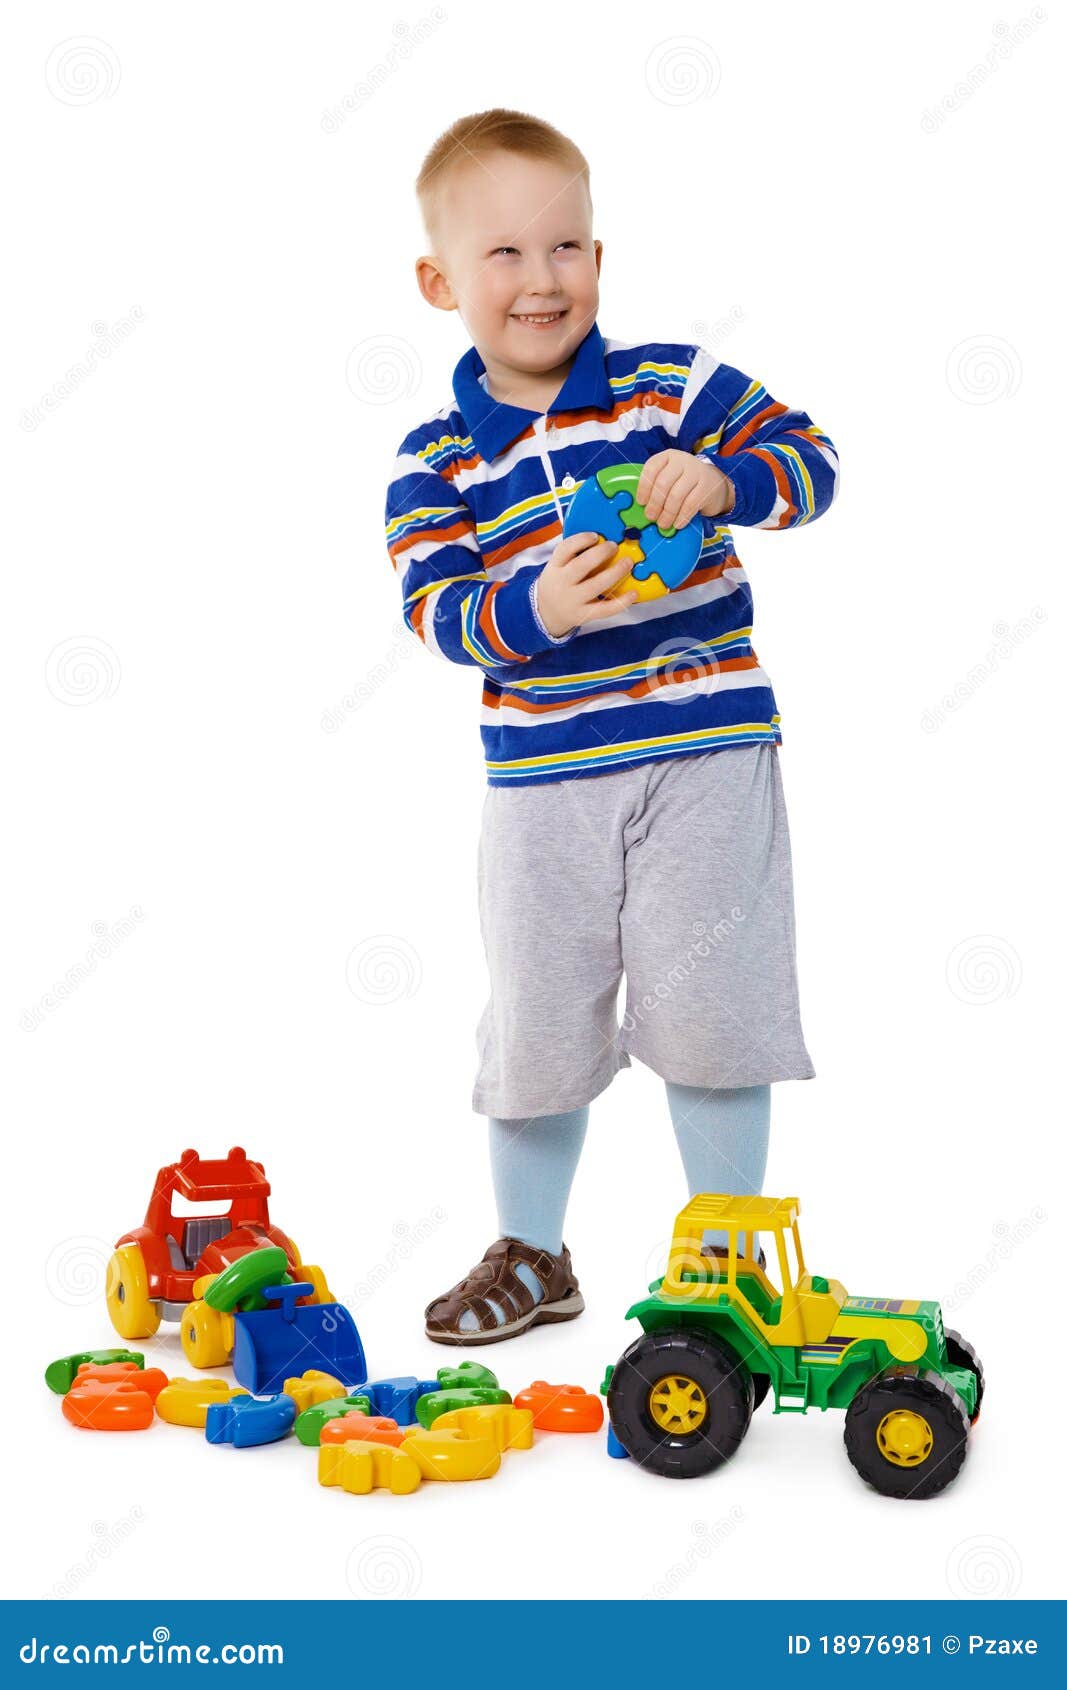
185, 1402
312, 1388
450, 1456
507, 1427
360, 1468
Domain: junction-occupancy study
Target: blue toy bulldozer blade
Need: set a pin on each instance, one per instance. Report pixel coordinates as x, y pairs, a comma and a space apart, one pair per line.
275, 1344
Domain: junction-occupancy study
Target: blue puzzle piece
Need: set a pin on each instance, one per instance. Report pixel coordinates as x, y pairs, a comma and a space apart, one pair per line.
248, 1421
275, 1344
615, 1448
396, 1398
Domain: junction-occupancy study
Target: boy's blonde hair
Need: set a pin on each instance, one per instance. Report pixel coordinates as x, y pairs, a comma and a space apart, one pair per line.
470, 138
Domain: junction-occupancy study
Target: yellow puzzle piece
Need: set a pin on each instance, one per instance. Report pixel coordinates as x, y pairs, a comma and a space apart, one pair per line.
312, 1388
185, 1402
450, 1455
360, 1468
506, 1426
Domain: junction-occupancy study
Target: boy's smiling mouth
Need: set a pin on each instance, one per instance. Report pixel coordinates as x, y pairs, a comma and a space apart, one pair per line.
539, 319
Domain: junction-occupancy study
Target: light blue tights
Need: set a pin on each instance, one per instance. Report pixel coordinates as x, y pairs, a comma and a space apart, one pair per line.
722, 1136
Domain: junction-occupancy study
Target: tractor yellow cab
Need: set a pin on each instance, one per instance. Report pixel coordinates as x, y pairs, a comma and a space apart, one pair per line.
806, 1308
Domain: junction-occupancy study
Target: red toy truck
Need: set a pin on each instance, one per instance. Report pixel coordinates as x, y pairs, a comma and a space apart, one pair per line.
157, 1268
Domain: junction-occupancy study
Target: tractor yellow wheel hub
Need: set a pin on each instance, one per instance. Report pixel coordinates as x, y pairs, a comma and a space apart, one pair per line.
904, 1437
677, 1404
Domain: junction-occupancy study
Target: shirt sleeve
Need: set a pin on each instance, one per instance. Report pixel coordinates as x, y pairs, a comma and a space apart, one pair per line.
450, 602
784, 470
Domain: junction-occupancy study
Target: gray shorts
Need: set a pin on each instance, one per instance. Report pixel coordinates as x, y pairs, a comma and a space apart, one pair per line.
676, 874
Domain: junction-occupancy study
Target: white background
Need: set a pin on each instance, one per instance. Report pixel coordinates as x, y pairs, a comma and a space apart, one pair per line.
216, 719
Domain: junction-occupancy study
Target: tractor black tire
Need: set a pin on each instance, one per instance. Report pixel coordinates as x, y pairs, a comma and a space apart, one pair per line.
963, 1354
920, 1393
761, 1384
721, 1376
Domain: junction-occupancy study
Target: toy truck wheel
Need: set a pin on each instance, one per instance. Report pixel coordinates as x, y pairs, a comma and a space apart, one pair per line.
906, 1434
761, 1384
680, 1402
207, 1335
133, 1314
963, 1354
316, 1278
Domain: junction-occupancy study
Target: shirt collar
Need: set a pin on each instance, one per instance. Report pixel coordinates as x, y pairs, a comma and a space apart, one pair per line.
493, 425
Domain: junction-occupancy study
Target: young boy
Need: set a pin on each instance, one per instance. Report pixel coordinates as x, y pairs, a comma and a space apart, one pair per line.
634, 820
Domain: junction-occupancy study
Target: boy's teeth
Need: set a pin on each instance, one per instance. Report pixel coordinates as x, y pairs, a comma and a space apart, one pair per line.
542, 317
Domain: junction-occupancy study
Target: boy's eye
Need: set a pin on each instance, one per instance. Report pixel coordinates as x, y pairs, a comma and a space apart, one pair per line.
508, 249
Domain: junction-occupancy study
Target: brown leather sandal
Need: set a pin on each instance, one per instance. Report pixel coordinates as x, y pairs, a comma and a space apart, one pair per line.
494, 1281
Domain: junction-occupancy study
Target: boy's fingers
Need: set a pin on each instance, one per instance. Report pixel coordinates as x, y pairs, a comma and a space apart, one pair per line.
602, 579
659, 500
651, 469
608, 607
586, 563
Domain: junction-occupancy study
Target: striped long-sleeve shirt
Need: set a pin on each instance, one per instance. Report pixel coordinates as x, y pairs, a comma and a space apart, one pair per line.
476, 506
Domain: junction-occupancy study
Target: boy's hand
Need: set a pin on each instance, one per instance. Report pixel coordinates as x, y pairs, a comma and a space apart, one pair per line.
568, 588
676, 486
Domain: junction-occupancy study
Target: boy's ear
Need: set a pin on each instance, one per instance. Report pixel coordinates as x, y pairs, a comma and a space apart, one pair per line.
598, 253
434, 285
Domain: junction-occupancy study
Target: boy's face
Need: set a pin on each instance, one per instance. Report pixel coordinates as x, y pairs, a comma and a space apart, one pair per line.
516, 258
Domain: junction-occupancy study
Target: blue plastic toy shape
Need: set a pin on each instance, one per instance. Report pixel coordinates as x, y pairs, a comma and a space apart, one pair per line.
396, 1398
273, 1344
246, 1421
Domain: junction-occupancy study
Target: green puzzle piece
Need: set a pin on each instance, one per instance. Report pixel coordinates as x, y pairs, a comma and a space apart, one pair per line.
467, 1373
436, 1403
308, 1427
59, 1375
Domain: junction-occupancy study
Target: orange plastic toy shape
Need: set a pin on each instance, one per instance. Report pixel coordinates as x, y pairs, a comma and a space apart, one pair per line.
185, 1402
450, 1456
361, 1428
312, 1388
360, 1468
149, 1379
506, 1426
561, 1408
119, 1397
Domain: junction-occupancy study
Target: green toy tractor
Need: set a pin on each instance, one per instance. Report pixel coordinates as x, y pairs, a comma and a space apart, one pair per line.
719, 1336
